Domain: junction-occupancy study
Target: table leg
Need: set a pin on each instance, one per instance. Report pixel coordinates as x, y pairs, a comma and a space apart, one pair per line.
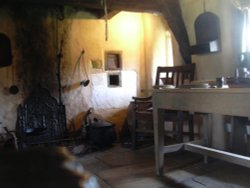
159, 140
238, 135
206, 125
218, 134
207, 128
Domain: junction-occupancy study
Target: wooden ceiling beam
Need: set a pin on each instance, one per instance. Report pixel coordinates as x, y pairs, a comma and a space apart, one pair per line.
130, 5
134, 5
94, 4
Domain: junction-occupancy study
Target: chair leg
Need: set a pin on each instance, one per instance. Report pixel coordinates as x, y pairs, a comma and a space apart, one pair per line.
134, 141
134, 134
180, 127
191, 127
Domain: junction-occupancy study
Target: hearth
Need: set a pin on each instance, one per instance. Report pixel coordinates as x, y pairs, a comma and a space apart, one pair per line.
41, 121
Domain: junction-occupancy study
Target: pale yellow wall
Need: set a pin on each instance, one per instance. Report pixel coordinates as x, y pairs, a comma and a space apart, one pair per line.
156, 48
125, 35
141, 37
136, 35
223, 63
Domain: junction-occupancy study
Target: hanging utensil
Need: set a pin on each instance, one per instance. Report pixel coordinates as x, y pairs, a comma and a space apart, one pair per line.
86, 82
13, 89
106, 19
81, 72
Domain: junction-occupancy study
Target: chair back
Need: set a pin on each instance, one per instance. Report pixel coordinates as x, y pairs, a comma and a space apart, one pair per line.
177, 75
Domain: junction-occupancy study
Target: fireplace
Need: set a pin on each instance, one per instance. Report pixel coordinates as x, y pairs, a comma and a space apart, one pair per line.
41, 121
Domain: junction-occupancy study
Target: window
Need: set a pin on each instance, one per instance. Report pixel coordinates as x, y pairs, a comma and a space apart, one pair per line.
246, 31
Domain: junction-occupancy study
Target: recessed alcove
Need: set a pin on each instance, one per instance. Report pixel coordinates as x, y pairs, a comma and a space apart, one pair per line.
113, 60
114, 79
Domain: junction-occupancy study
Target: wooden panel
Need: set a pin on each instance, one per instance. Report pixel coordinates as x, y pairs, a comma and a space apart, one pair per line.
220, 101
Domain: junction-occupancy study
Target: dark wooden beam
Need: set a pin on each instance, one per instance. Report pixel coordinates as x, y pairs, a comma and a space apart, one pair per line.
134, 5
94, 4
171, 11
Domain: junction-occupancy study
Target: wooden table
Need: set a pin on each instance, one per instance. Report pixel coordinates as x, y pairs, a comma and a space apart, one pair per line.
228, 101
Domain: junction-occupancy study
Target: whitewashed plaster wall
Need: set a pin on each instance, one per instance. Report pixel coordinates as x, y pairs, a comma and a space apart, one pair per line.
223, 63
106, 97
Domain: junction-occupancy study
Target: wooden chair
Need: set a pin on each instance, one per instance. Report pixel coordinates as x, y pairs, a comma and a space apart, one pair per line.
143, 113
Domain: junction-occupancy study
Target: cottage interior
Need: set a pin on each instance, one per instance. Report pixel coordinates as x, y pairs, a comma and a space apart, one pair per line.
100, 53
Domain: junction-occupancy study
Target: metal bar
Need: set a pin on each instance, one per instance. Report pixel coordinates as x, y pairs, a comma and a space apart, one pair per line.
173, 148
